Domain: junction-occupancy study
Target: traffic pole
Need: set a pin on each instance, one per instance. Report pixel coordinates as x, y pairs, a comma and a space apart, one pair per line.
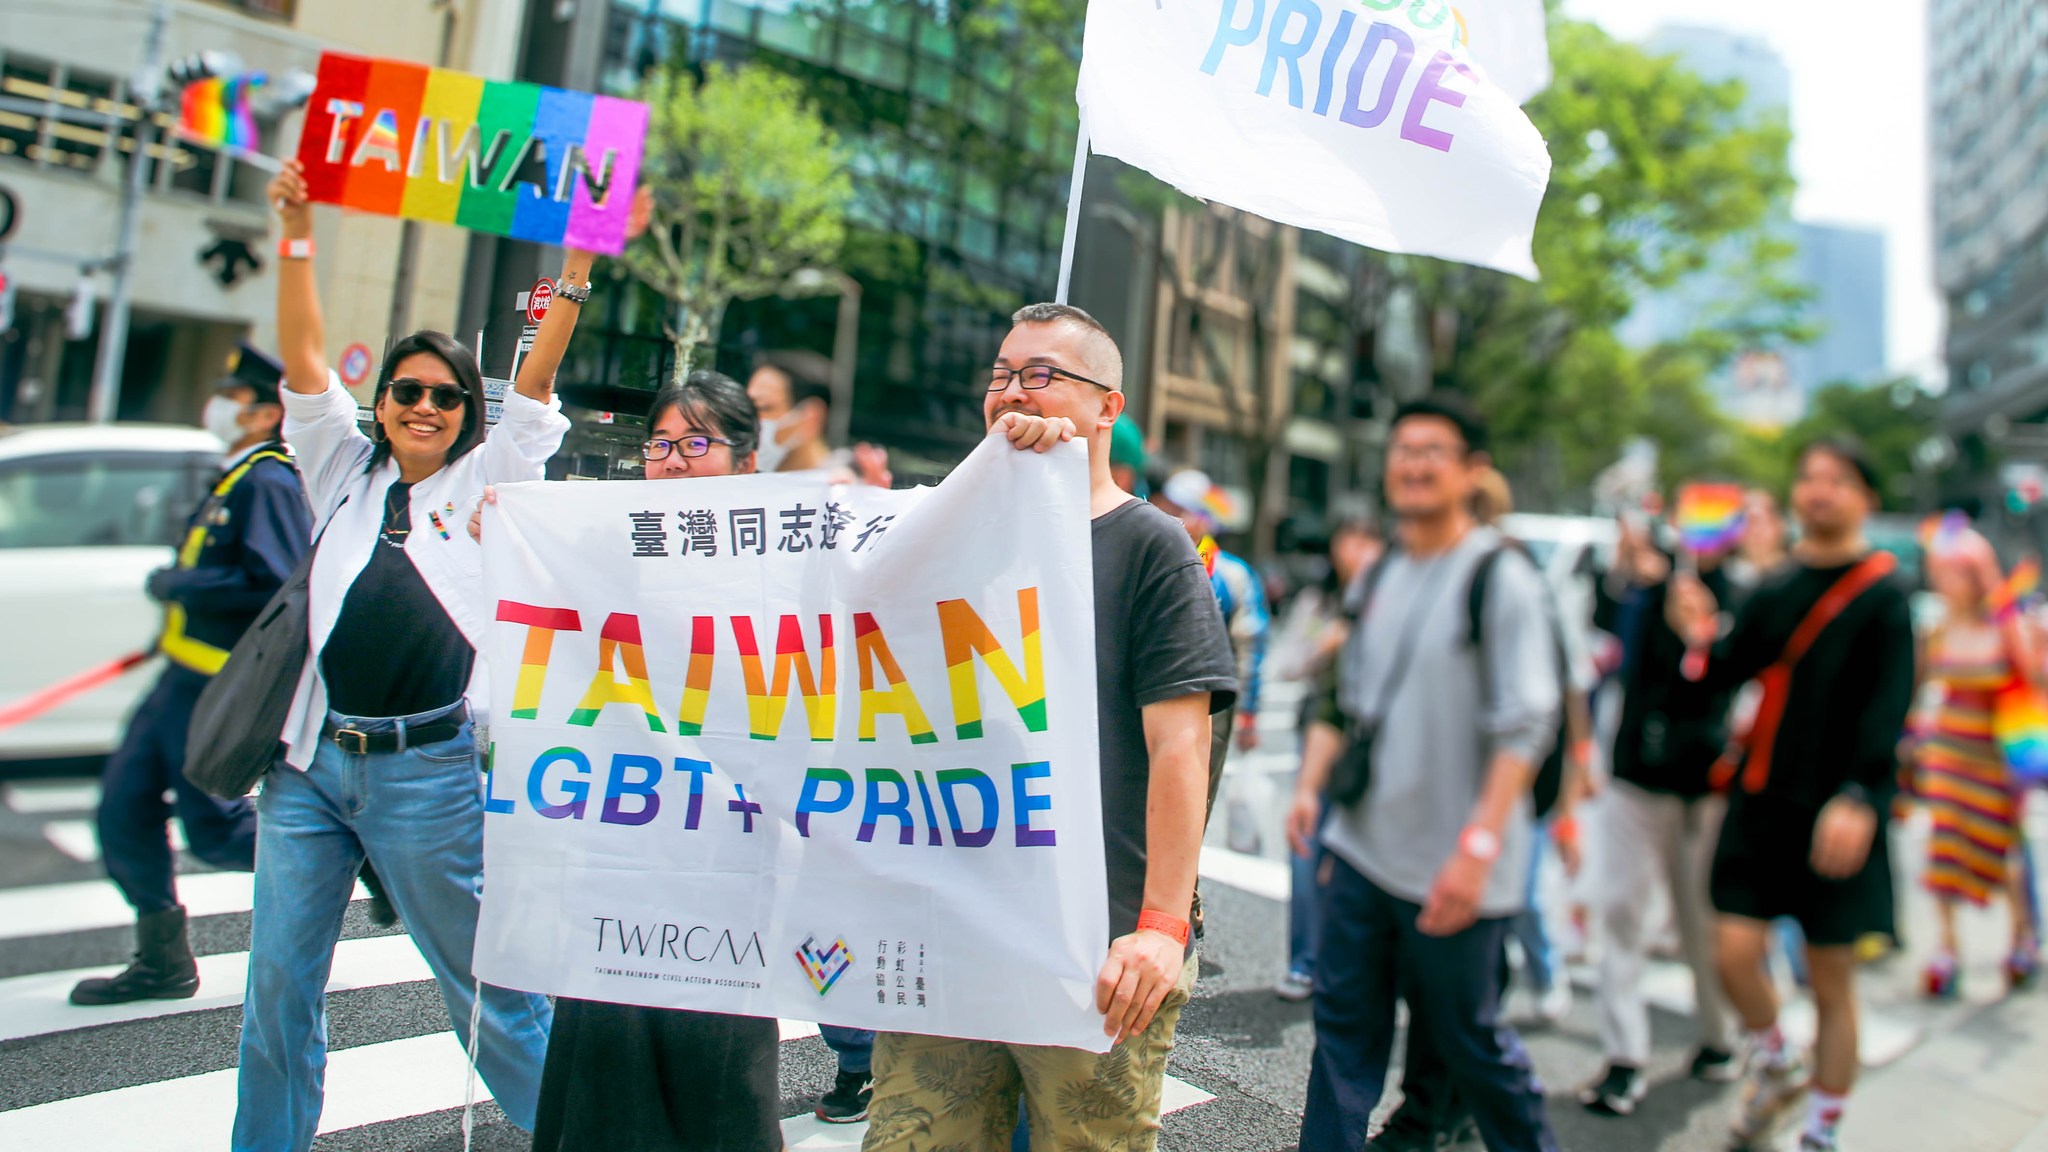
113, 350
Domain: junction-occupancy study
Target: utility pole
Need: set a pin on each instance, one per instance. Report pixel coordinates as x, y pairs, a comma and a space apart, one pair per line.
113, 350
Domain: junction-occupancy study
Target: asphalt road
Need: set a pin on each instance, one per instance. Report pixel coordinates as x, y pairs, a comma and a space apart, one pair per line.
161, 1076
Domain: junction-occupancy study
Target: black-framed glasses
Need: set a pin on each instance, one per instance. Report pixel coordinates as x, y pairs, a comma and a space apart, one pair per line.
447, 397
1035, 376
689, 447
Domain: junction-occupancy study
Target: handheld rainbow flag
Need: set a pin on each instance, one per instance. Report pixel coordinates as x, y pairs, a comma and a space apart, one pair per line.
1709, 517
1940, 533
520, 160
216, 111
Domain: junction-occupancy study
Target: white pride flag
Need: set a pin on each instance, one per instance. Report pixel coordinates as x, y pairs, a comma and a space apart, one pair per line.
1365, 119
772, 746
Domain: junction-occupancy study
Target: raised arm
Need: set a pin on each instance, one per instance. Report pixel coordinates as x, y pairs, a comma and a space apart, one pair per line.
537, 372
301, 333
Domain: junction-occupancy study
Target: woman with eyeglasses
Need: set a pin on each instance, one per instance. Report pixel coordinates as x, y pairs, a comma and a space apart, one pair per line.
622, 1078
381, 749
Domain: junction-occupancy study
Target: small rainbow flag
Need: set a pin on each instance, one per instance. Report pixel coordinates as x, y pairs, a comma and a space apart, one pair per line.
1709, 516
216, 111
2019, 718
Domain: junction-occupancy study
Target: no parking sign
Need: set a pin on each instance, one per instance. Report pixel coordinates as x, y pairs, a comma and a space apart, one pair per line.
355, 364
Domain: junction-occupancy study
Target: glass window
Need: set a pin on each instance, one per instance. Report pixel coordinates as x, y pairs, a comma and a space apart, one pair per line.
728, 16
872, 58
936, 39
794, 33
690, 12
982, 194
92, 501
890, 19
20, 131
978, 237
933, 81
192, 170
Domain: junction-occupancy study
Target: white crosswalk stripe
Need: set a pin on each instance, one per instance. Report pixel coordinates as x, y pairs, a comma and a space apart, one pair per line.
366, 1085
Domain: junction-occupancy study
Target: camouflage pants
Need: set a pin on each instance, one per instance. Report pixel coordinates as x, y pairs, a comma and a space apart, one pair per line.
940, 1095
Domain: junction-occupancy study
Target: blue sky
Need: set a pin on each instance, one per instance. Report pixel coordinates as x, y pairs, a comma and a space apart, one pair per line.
1859, 121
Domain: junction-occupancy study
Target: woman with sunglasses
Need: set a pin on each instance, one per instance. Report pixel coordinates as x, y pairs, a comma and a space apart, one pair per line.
381, 751
622, 1078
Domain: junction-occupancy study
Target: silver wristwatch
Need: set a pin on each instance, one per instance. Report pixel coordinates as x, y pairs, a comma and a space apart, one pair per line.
572, 292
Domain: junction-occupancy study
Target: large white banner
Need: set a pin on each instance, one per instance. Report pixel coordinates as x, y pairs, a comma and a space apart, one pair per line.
1509, 39
1365, 119
771, 746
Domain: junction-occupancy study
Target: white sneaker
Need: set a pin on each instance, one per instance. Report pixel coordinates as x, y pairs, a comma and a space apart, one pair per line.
1770, 1099
1295, 986
1554, 1004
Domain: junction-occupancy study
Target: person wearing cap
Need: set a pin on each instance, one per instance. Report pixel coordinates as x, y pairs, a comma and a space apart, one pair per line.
238, 548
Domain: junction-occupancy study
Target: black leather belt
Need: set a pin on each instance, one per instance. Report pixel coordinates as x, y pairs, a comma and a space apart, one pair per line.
367, 743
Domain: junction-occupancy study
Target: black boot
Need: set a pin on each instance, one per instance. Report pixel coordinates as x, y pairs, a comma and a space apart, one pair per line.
163, 967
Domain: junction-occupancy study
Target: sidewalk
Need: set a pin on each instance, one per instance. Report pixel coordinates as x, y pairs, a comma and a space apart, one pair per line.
1977, 1087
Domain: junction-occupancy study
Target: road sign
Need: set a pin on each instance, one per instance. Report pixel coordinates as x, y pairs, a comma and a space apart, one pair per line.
494, 388
526, 336
355, 364
537, 301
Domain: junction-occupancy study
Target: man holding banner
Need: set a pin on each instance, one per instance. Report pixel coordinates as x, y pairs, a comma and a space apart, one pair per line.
1163, 666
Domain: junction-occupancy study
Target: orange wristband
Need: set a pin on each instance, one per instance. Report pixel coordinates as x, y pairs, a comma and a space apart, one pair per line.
1566, 830
1163, 924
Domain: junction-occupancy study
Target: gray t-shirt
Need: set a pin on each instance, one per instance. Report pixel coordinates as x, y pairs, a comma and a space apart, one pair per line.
1442, 722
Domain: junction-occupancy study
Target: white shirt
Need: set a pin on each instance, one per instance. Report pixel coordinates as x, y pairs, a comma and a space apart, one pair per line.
332, 452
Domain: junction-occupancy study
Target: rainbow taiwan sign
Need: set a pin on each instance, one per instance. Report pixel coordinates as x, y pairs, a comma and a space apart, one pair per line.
521, 160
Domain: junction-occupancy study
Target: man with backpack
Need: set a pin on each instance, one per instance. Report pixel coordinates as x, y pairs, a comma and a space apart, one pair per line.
1429, 767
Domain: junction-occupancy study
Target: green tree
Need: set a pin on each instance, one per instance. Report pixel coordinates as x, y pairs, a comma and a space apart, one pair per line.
749, 186
1656, 174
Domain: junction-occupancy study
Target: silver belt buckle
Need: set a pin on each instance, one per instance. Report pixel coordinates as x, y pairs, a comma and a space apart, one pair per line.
362, 740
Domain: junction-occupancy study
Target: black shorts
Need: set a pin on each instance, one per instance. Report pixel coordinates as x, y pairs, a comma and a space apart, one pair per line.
1763, 870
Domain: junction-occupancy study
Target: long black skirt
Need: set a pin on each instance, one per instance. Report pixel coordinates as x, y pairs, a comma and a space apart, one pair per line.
621, 1078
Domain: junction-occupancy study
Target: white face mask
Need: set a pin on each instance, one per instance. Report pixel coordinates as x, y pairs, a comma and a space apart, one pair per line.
223, 417
768, 457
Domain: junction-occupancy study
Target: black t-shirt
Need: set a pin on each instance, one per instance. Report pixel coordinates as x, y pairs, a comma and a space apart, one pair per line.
394, 651
1158, 636
1847, 702
1669, 736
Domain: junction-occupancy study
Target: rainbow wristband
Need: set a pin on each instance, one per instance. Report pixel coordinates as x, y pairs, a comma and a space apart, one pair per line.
1163, 924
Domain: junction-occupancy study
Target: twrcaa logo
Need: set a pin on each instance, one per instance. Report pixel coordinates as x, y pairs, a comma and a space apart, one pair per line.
824, 967
697, 943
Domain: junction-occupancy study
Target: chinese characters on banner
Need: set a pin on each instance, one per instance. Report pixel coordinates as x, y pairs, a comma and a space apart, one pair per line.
772, 746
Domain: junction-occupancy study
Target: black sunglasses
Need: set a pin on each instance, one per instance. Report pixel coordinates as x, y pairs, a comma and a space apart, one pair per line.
688, 447
447, 397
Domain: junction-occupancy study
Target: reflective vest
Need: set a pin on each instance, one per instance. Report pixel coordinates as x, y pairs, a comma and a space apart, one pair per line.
178, 647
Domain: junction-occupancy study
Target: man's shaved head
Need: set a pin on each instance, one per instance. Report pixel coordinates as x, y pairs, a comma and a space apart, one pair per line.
1105, 361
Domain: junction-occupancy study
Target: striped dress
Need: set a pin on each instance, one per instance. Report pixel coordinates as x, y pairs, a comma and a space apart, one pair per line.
1963, 778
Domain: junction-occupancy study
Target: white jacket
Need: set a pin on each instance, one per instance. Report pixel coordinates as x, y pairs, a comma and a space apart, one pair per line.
332, 453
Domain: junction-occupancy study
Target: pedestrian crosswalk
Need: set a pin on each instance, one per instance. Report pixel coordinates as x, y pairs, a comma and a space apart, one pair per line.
413, 1068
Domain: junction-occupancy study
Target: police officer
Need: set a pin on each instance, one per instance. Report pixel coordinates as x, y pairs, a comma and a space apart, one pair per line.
239, 547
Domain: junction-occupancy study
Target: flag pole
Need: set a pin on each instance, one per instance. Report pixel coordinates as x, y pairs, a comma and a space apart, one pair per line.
1073, 209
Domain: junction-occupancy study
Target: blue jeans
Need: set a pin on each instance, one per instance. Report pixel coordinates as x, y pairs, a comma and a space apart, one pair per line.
1373, 955
1302, 928
854, 1046
1527, 925
418, 815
